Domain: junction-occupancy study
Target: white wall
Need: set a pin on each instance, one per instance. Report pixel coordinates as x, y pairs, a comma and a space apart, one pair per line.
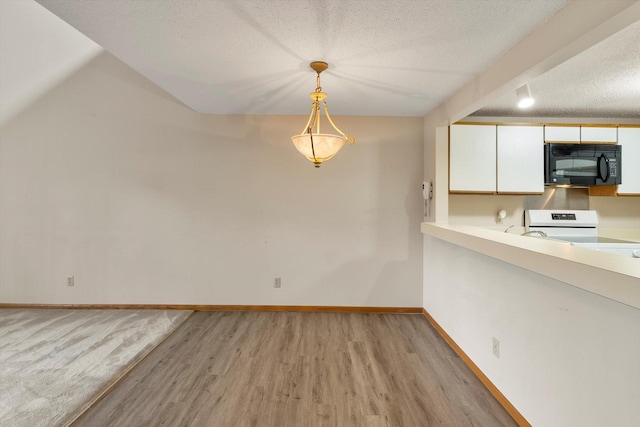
38, 51
567, 357
111, 180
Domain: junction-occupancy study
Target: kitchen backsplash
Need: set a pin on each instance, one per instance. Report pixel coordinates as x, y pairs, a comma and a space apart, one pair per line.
559, 198
481, 210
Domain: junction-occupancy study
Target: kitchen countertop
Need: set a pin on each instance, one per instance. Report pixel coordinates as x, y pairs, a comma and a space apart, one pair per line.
612, 276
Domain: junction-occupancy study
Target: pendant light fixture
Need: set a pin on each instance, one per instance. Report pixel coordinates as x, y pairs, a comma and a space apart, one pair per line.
316, 146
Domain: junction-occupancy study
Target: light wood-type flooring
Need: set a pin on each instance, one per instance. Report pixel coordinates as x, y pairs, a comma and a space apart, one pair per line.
301, 370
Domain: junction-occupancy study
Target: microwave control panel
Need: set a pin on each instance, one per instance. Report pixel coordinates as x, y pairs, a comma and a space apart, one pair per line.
613, 167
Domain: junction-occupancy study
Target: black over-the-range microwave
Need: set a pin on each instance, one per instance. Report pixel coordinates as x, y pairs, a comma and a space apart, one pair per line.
583, 164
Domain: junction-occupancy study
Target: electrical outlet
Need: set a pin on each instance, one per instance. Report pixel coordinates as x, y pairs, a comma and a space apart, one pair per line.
71, 281
496, 347
277, 283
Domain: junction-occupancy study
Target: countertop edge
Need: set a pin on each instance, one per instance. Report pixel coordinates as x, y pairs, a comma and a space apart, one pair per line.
611, 276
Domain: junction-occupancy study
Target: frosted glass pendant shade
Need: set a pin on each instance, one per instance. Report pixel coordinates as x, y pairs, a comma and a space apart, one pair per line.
318, 148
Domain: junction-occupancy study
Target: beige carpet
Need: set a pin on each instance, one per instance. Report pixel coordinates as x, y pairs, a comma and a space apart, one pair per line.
55, 363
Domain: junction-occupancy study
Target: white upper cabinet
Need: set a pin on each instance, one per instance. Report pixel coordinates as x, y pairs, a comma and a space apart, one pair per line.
472, 158
489, 159
520, 159
629, 139
510, 159
562, 134
600, 135
581, 134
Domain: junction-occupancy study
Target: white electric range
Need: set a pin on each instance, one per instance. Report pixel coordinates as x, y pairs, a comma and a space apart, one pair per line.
579, 227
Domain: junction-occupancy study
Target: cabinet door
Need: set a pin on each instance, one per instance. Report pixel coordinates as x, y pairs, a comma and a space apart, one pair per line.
472, 158
629, 138
562, 134
520, 159
601, 135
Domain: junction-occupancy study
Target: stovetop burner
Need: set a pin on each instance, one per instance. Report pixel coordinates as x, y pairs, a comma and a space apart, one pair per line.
591, 239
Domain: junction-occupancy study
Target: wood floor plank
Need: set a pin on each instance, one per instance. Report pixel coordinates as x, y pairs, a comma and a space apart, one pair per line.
300, 369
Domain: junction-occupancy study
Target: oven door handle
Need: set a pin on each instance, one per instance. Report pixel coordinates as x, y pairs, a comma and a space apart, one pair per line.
608, 173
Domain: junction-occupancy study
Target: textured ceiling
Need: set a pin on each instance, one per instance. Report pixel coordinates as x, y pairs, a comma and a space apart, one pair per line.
396, 58
603, 81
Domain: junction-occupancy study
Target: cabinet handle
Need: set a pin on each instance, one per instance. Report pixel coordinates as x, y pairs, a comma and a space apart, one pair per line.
608, 173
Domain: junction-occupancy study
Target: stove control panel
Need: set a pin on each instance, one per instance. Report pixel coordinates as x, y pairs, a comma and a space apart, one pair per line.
563, 216
562, 222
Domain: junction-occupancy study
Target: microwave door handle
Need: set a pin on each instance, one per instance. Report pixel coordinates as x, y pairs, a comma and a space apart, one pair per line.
604, 178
